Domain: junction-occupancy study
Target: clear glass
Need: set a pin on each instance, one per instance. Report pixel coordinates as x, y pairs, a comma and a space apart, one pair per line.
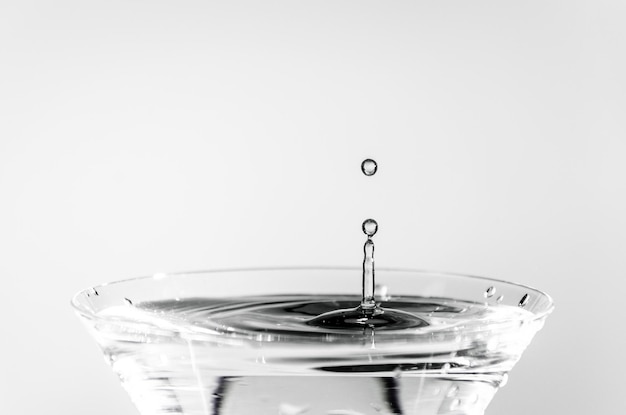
214, 342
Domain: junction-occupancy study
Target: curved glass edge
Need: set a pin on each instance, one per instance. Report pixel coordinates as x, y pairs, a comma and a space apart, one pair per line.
75, 301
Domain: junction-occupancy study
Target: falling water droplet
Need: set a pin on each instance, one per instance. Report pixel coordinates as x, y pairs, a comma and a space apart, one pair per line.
524, 300
490, 292
369, 167
370, 227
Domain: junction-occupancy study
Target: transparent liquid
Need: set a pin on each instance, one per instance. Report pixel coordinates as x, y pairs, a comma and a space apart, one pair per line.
259, 355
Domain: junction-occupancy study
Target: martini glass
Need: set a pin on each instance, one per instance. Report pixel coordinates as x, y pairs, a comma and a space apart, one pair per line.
241, 342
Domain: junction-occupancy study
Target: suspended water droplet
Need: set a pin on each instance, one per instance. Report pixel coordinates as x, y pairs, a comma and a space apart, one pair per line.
369, 167
127, 301
490, 292
524, 300
500, 299
370, 227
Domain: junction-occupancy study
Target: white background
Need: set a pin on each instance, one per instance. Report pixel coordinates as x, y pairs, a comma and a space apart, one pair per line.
145, 136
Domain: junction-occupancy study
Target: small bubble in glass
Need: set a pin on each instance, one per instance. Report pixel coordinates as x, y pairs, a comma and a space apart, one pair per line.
524, 301
490, 292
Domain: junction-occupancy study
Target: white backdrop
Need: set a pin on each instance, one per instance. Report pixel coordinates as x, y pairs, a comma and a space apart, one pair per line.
139, 136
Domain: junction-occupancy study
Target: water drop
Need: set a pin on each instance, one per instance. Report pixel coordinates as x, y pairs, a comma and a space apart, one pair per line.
455, 404
368, 301
500, 299
369, 167
370, 227
524, 300
504, 381
490, 292
127, 301
445, 367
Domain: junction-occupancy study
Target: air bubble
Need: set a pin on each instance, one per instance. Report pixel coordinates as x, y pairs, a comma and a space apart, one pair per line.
490, 292
370, 227
369, 167
524, 301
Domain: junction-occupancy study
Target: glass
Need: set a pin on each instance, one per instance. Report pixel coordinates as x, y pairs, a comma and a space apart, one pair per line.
237, 342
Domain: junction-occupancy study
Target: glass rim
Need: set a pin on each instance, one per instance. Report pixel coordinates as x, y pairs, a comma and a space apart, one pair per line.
75, 301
